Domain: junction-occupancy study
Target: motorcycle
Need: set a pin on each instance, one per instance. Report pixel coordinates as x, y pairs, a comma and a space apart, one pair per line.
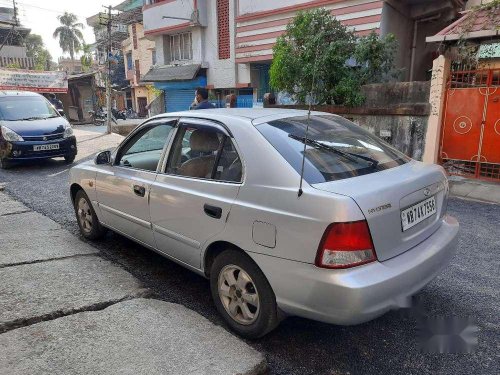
120, 115
100, 117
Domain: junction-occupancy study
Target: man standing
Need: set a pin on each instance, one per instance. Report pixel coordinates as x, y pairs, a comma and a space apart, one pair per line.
201, 99
55, 102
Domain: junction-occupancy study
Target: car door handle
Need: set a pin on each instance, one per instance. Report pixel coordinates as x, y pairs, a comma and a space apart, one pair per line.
213, 211
139, 190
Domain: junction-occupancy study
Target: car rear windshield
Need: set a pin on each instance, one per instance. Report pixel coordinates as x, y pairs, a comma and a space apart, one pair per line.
336, 148
17, 108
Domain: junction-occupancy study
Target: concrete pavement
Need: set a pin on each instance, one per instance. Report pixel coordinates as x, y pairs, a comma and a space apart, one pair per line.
65, 309
475, 189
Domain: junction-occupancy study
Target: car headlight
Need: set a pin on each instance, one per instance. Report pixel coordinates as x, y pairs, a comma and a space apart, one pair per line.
68, 131
10, 135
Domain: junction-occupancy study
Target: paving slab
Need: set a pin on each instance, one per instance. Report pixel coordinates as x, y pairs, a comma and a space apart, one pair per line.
9, 206
40, 246
25, 223
38, 291
140, 336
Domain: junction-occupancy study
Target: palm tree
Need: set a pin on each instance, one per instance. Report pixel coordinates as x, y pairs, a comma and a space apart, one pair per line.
69, 34
87, 58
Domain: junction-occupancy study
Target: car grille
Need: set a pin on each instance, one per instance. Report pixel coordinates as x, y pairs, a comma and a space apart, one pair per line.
42, 138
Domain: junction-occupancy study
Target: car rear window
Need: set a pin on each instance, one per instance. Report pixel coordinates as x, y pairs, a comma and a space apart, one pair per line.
336, 148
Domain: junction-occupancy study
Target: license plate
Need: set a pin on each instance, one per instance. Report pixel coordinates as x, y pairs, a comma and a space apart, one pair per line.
54, 146
417, 213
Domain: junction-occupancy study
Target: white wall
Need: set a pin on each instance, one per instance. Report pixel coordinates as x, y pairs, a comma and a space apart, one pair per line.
153, 16
221, 73
253, 6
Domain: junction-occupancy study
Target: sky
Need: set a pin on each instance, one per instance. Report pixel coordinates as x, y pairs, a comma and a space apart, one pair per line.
41, 17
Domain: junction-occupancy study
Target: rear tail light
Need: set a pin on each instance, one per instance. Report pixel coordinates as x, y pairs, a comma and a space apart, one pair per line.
346, 245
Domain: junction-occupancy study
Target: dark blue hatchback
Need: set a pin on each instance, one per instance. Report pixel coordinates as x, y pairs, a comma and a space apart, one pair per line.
31, 128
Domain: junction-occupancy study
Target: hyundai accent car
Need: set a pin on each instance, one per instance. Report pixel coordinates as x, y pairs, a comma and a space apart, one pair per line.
217, 191
31, 128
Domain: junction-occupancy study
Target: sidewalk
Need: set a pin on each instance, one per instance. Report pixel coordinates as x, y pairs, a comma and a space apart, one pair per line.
66, 310
475, 189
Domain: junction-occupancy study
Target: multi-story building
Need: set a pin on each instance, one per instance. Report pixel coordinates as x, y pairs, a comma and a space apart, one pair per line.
13, 52
226, 45
139, 54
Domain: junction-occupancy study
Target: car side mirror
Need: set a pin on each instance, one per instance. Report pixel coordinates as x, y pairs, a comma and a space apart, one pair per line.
103, 158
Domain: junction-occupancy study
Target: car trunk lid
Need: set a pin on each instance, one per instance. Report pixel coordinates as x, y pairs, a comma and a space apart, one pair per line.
383, 196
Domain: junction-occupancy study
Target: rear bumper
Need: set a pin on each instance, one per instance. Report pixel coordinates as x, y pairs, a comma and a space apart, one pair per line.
357, 295
19, 151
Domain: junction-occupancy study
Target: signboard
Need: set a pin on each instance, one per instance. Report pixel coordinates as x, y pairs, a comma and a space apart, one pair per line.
33, 80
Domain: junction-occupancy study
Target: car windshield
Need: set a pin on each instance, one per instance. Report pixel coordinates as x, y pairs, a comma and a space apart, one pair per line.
335, 149
16, 108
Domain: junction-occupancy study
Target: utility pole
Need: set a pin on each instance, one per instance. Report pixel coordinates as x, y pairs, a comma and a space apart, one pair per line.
14, 24
108, 80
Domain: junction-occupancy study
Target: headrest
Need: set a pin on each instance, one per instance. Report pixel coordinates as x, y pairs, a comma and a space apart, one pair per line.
204, 141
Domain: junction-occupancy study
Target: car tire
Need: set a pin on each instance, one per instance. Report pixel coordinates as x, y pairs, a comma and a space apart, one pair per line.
69, 159
89, 224
230, 300
4, 164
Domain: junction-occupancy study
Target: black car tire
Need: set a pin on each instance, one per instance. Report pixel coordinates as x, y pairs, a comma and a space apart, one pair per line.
69, 159
268, 316
4, 164
97, 231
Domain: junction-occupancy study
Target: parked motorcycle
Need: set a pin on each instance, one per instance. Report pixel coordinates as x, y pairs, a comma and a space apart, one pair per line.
120, 115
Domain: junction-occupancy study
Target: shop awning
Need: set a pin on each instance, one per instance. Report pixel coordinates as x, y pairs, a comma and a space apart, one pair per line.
167, 73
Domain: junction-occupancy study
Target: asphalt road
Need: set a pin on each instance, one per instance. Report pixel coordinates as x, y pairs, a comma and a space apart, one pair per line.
469, 287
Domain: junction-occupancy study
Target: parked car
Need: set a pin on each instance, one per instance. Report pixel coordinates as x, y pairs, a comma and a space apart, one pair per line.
217, 191
31, 128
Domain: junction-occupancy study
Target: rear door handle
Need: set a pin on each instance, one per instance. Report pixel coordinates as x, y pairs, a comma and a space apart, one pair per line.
213, 211
139, 190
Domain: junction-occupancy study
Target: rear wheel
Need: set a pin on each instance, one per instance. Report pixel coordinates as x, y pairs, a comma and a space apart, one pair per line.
243, 295
89, 224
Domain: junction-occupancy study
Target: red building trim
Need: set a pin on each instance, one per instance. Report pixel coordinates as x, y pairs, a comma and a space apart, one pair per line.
164, 30
243, 85
260, 47
243, 60
252, 38
291, 8
335, 12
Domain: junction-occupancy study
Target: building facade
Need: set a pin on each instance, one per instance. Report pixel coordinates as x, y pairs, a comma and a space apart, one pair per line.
13, 52
226, 45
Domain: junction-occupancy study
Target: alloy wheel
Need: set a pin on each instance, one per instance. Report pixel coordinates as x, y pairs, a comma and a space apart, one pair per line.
238, 294
84, 215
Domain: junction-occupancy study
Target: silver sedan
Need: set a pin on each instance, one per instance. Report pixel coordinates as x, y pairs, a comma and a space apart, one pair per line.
220, 192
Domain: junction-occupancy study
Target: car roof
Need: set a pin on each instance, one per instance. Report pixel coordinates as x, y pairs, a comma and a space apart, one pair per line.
254, 115
17, 93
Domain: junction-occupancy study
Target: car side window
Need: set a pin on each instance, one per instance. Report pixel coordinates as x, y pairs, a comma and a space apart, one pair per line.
229, 167
195, 151
144, 149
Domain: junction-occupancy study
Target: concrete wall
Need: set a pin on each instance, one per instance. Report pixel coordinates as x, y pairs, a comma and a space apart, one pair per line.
396, 112
152, 14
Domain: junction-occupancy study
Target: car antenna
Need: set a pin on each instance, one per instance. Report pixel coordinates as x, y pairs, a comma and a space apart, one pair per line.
307, 126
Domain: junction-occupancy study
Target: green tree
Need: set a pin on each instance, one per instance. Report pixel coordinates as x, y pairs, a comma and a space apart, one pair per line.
87, 58
35, 49
69, 34
319, 56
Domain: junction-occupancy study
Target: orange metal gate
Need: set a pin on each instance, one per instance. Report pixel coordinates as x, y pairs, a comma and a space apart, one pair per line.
470, 142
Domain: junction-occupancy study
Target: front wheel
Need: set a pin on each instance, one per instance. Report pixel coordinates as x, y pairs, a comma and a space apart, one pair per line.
4, 164
69, 159
89, 224
243, 295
